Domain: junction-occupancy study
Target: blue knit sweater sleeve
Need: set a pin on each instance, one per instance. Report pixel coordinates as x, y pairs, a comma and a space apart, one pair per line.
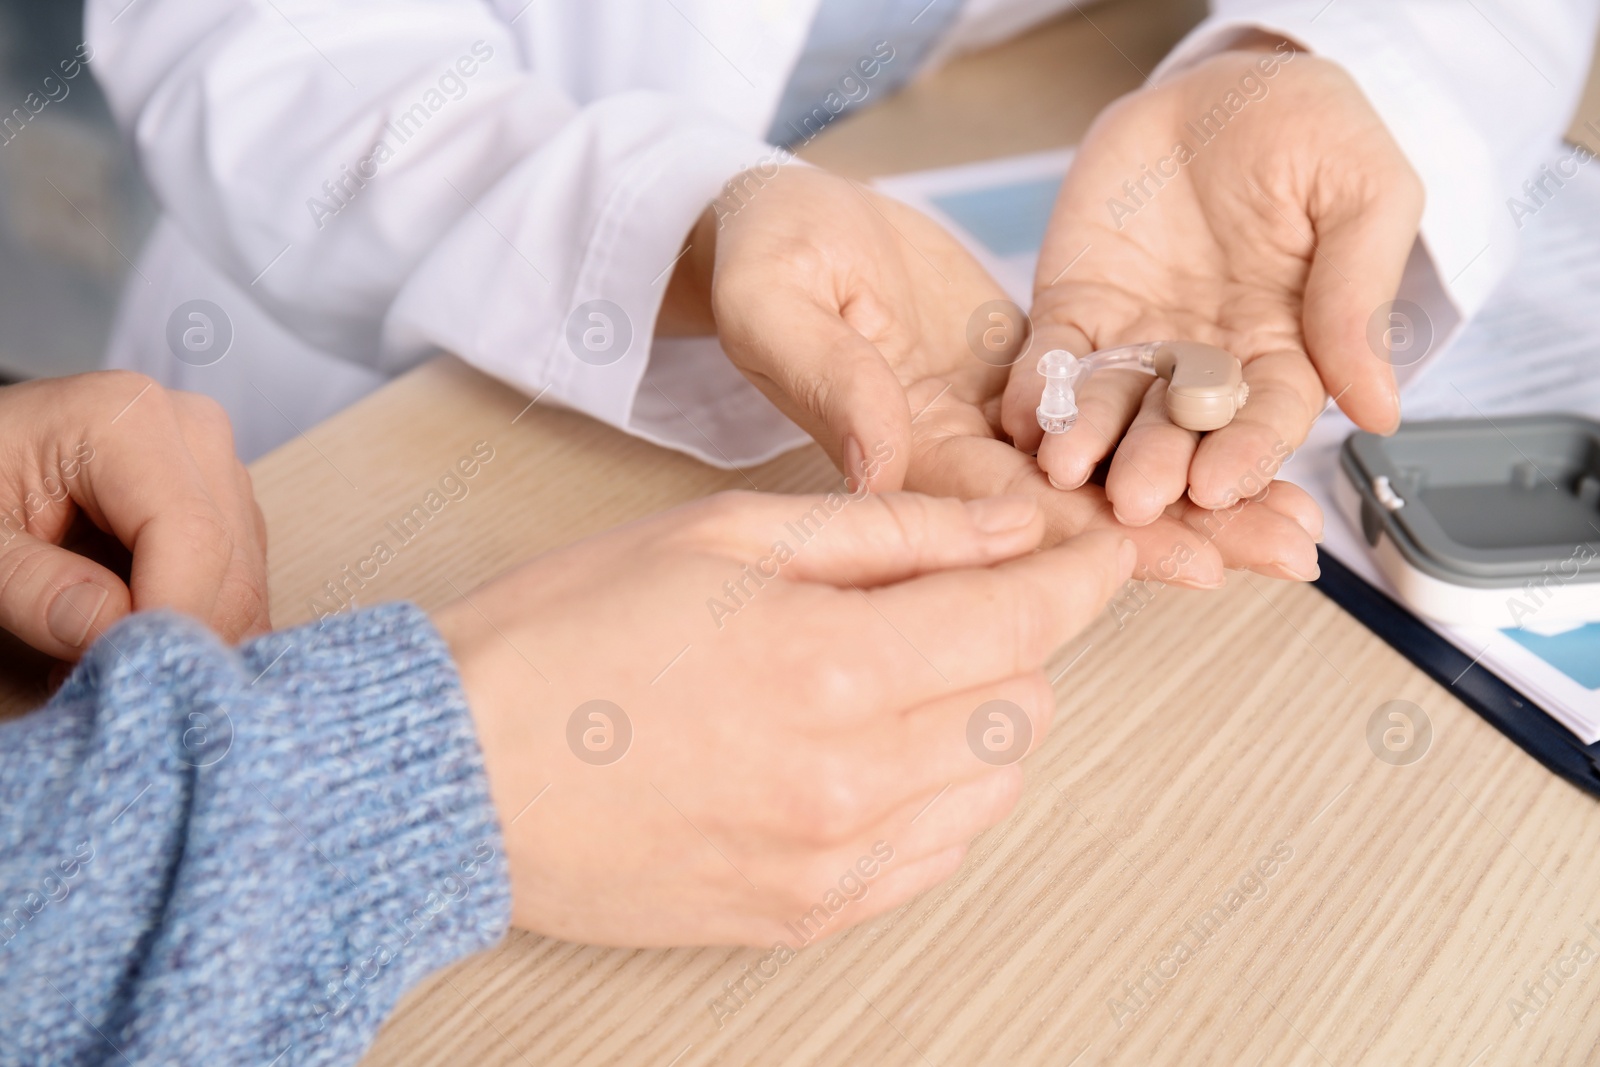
220, 856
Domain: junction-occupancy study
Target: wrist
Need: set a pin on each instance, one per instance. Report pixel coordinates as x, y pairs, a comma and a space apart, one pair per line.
471, 641
686, 308
1256, 55
497, 685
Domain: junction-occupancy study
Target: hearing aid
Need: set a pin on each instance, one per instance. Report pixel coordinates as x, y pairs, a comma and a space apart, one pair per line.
1205, 384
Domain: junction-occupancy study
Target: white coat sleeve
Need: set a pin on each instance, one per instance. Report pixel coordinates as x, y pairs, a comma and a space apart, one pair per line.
1476, 92
390, 178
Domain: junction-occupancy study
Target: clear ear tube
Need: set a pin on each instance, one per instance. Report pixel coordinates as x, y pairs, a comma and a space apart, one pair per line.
1063, 373
1206, 389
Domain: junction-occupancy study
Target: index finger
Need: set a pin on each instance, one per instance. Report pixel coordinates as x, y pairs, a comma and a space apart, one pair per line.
241, 608
141, 484
952, 455
978, 626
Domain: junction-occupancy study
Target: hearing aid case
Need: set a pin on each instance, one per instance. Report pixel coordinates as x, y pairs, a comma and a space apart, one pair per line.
1481, 522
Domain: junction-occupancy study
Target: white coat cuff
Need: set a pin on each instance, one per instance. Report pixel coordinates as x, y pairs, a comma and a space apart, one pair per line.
562, 302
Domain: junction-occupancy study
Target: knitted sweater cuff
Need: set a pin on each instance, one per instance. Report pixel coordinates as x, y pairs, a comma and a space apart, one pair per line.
388, 789
267, 846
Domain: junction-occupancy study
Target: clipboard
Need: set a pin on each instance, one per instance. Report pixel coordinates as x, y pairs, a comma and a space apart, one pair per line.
1502, 706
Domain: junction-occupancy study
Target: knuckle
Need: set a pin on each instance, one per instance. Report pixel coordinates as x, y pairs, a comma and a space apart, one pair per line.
1036, 695
719, 510
256, 544
910, 518
712, 522
997, 797
798, 256
829, 805
836, 685
949, 863
727, 505
204, 532
241, 605
810, 392
1033, 626
18, 568
123, 379
1298, 397
1007, 792
121, 386
202, 413
805, 638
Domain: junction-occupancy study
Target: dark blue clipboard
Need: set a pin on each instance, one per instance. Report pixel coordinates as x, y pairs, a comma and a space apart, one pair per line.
1507, 710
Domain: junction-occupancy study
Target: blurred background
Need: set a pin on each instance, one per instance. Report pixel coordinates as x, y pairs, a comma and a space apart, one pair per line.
73, 210
75, 214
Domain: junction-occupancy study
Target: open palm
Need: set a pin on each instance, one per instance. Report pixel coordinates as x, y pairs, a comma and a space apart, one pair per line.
1270, 214
855, 315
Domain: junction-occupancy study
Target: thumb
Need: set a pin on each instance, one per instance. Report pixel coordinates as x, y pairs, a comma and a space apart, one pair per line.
55, 600
878, 539
1031, 605
1081, 575
1350, 338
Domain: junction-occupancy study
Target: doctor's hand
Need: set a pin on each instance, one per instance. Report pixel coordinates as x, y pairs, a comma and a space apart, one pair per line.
832, 299
1272, 529
856, 314
1255, 202
117, 495
709, 724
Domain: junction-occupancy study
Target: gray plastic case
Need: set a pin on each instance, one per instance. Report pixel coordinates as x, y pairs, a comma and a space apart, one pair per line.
1483, 521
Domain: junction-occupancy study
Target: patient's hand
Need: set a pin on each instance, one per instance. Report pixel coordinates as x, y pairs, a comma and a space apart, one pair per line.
1278, 239
755, 715
117, 495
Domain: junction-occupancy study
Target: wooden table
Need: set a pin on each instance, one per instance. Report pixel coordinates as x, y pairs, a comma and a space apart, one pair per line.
1406, 906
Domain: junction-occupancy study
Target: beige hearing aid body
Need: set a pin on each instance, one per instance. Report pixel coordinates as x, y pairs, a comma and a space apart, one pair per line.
1205, 390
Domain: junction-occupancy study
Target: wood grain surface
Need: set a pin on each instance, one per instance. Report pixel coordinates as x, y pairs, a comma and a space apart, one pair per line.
1203, 739
1200, 735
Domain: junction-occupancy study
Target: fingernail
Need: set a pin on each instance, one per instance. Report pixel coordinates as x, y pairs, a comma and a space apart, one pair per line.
1125, 520
1312, 525
1198, 573
855, 460
1002, 514
73, 612
1394, 416
1069, 482
1288, 573
1127, 559
1212, 504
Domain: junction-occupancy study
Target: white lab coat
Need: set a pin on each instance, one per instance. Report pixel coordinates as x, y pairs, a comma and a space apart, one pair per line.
537, 155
